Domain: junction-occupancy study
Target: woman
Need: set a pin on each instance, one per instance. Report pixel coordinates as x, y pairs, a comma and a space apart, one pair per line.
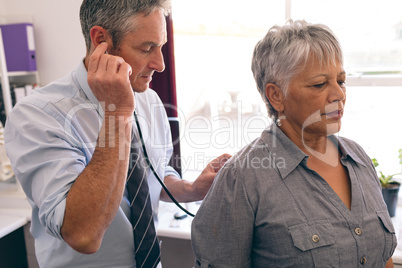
298, 196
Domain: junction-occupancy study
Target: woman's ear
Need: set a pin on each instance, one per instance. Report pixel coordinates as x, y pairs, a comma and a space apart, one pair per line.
275, 96
99, 35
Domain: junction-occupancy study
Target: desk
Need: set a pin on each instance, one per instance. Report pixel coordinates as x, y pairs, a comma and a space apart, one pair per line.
175, 236
16, 243
168, 226
9, 224
15, 211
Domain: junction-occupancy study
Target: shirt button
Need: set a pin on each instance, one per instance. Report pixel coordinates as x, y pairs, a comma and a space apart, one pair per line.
358, 231
363, 260
315, 238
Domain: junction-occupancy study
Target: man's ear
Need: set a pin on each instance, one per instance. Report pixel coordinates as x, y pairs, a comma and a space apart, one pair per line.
99, 35
275, 96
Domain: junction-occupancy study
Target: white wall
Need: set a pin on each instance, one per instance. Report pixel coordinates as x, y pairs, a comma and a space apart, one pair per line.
59, 42
1, 7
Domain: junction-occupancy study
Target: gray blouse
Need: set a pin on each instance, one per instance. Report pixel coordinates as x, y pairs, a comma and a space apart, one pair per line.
266, 208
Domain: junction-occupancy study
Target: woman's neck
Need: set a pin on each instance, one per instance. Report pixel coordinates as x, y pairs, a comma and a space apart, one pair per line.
315, 145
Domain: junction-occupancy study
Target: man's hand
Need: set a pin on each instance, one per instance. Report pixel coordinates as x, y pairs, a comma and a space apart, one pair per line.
204, 181
108, 77
188, 191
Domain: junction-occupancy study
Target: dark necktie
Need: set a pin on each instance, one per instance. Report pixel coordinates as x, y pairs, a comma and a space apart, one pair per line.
147, 251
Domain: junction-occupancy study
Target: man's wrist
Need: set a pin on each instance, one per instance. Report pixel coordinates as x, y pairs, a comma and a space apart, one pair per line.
120, 112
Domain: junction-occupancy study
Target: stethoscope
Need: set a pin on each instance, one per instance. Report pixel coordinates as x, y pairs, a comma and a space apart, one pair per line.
156, 174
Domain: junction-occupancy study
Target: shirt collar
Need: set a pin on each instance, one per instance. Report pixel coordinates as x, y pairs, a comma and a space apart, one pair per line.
348, 151
288, 156
81, 74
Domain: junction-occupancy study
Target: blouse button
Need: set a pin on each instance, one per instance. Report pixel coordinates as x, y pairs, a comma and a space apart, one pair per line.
316, 238
358, 231
363, 260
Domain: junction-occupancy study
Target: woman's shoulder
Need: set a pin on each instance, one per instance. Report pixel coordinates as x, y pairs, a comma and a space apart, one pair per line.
254, 159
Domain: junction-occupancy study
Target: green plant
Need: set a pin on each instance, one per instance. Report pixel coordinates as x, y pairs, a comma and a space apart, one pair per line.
400, 156
385, 180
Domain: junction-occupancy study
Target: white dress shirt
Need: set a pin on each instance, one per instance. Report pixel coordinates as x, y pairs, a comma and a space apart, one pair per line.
50, 138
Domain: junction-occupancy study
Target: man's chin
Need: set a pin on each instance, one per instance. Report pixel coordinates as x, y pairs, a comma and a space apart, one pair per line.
140, 89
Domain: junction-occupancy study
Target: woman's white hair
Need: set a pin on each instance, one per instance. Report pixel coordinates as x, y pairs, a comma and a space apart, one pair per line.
285, 50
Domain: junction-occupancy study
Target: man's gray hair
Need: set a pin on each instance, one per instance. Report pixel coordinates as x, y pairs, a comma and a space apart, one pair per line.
116, 16
285, 50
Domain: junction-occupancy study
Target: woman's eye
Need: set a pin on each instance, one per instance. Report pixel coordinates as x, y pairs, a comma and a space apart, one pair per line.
342, 83
319, 85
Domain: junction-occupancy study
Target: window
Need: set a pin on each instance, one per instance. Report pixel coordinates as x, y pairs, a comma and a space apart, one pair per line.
219, 106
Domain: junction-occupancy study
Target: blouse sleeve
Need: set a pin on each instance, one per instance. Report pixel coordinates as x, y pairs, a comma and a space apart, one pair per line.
222, 230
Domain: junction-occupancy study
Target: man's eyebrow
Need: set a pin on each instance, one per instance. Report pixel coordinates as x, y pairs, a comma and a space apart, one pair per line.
152, 44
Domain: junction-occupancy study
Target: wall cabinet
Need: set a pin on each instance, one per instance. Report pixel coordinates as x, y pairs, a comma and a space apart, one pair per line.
6, 78
17, 248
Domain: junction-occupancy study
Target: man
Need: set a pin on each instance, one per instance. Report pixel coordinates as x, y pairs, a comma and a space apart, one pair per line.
69, 142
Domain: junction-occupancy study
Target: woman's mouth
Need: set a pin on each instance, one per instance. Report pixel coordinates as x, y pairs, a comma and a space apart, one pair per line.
337, 114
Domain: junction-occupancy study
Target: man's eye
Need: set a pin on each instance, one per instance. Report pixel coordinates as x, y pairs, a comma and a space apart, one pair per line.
146, 49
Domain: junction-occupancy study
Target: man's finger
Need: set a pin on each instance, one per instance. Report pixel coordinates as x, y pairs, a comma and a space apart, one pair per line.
125, 68
95, 57
218, 162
